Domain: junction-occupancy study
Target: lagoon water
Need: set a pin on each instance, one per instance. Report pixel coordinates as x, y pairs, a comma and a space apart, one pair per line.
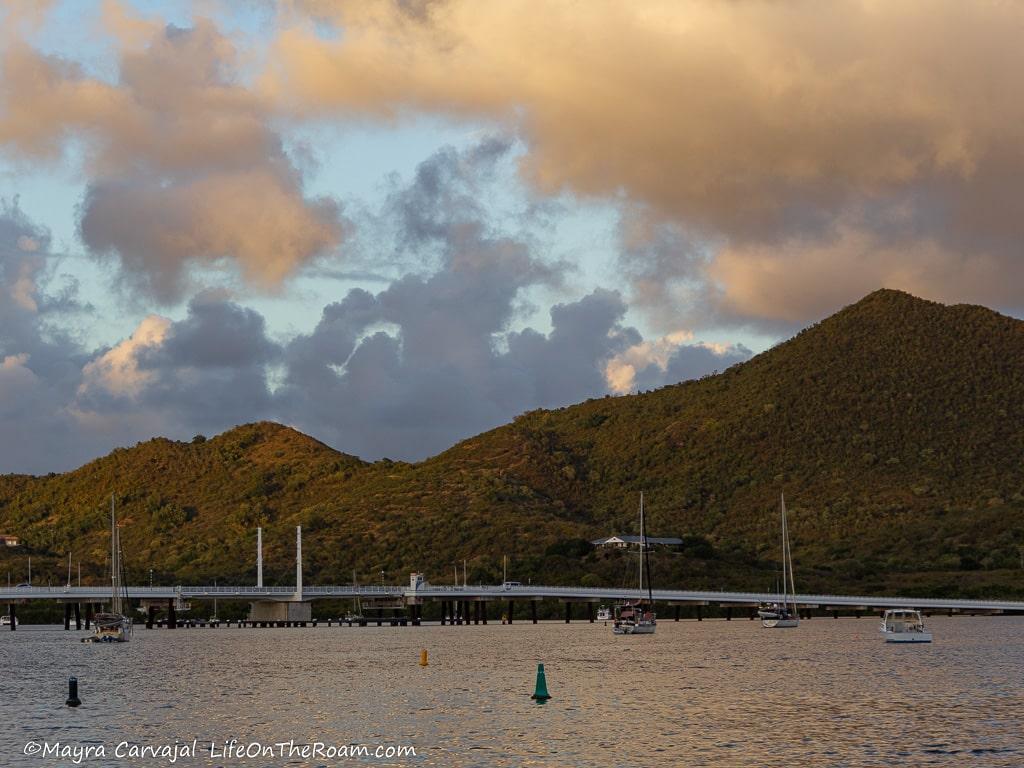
713, 693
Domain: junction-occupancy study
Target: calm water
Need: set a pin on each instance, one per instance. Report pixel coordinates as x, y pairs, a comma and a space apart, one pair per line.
713, 693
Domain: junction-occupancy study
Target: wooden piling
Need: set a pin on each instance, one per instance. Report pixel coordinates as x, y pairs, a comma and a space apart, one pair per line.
78, 616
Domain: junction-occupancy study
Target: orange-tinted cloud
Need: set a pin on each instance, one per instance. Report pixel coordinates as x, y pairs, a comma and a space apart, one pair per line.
752, 125
184, 165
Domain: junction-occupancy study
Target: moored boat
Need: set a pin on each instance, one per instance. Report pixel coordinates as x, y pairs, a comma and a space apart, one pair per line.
783, 612
113, 626
634, 617
904, 626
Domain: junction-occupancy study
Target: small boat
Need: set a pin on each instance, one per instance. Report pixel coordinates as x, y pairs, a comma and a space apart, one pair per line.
904, 626
5, 621
782, 613
604, 613
114, 626
634, 618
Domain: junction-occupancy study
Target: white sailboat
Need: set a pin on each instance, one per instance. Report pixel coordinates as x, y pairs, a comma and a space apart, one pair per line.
115, 626
634, 618
783, 613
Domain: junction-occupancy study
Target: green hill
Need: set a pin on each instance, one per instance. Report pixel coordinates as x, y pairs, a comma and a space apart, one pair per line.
895, 428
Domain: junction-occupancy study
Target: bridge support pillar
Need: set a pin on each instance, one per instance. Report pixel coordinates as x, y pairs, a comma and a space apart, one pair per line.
728, 614
753, 613
700, 613
483, 612
78, 616
856, 614
13, 613
835, 614
590, 612
88, 615
172, 616
478, 616
533, 611
678, 609
511, 608
568, 612
150, 617
67, 616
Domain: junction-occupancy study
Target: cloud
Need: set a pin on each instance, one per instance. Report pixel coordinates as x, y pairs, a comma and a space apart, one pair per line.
749, 126
206, 372
433, 358
184, 165
669, 360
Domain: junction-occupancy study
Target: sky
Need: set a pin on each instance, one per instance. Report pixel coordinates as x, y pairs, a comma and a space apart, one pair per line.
396, 224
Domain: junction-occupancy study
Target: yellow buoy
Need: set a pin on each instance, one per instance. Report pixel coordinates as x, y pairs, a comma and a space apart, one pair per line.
423, 658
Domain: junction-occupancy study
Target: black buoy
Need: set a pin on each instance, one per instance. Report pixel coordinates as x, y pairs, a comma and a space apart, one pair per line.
73, 700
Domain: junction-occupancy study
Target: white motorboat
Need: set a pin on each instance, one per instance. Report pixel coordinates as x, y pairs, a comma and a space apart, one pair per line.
782, 613
604, 613
5, 621
904, 626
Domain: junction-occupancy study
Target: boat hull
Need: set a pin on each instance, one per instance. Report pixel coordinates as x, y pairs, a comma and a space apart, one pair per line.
780, 623
634, 629
907, 637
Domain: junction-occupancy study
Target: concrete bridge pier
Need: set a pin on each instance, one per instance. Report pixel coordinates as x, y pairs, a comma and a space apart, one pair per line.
728, 614
172, 616
568, 612
678, 609
150, 617
13, 613
88, 615
590, 612
511, 610
483, 612
700, 613
533, 611
67, 616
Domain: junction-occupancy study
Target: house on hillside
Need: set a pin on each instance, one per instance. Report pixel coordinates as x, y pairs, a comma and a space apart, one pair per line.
622, 542
8, 541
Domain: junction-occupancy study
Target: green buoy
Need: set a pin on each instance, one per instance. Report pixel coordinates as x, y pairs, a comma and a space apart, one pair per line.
540, 693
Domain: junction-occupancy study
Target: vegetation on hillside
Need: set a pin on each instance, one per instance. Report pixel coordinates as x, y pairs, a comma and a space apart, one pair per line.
895, 429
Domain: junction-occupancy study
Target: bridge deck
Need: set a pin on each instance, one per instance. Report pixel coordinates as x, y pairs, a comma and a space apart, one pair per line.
570, 594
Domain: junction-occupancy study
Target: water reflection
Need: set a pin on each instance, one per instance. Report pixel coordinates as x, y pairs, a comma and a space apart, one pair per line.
713, 693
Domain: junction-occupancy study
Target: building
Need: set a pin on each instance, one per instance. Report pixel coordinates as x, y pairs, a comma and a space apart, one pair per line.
621, 542
8, 541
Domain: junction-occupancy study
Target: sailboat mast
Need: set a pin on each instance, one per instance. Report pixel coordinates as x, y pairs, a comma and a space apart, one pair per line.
115, 562
789, 554
641, 541
785, 588
645, 555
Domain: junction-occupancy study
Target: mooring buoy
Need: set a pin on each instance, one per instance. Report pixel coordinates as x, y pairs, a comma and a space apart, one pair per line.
73, 700
540, 693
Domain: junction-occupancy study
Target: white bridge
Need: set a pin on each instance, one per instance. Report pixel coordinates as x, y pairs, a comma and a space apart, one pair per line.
430, 593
